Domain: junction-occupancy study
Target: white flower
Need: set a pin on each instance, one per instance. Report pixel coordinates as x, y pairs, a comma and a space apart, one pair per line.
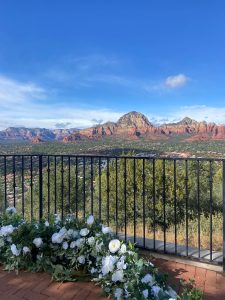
123, 249
117, 276
93, 270
120, 264
6, 230
114, 246
14, 250
84, 232
26, 250
73, 245
155, 290
108, 264
79, 242
106, 230
98, 246
171, 293
91, 241
11, 210
72, 233
118, 293
37, 242
57, 219
81, 259
90, 220
46, 223
148, 278
65, 245
145, 294
58, 237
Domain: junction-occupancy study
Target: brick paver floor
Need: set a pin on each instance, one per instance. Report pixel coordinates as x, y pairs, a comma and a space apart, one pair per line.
38, 286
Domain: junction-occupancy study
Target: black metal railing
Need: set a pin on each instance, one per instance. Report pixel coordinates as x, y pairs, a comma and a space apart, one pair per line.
170, 205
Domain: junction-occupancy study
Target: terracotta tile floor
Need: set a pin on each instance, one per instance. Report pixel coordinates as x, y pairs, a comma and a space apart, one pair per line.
38, 286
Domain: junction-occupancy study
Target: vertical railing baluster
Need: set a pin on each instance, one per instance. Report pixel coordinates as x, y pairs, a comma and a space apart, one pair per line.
134, 187
198, 205
76, 192
92, 187
164, 204
40, 188
125, 196
175, 202
211, 205
100, 190
223, 162
31, 188
48, 171
55, 184
154, 194
14, 181
84, 187
186, 203
68, 199
116, 196
22, 175
143, 199
107, 179
62, 187
5, 182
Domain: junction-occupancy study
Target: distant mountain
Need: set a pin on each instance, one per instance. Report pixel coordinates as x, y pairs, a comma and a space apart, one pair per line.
133, 125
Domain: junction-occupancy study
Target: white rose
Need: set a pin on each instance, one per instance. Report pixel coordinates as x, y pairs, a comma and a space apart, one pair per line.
84, 232
11, 210
90, 220
65, 245
145, 294
81, 259
106, 230
114, 246
117, 276
26, 250
118, 293
91, 241
46, 223
37, 242
14, 250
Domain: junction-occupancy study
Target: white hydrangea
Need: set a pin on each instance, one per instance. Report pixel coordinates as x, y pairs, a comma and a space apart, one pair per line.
58, 237
11, 210
98, 246
118, 293
14, 250
81, 259
117, 276
38, 242
114, 245
108, 264
6, 230
84, 232
145, 293
26, 250
155, 290
90, 220
73, 245
121, 263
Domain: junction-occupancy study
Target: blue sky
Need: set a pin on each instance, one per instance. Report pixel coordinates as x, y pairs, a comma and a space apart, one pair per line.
75, 63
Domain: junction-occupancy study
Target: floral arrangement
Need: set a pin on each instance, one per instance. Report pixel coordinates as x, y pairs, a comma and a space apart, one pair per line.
74, 249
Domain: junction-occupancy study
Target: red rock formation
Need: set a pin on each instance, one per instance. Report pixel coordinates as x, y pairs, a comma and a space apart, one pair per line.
36, 140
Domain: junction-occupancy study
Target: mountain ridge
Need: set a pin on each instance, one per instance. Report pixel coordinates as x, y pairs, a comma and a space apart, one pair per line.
132, 125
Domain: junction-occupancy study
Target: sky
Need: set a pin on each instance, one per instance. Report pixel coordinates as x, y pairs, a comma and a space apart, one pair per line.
72, 64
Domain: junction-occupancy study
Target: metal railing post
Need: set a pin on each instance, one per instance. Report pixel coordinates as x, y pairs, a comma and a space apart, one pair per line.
223, 216
40, 188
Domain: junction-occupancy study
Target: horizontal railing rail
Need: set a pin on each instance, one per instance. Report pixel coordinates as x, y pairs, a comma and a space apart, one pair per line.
166, 204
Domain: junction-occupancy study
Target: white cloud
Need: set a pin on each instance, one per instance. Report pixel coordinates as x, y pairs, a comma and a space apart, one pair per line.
12, 91
176, 81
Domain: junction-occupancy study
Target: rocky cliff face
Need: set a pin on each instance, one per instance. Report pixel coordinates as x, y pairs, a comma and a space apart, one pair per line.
133, 125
